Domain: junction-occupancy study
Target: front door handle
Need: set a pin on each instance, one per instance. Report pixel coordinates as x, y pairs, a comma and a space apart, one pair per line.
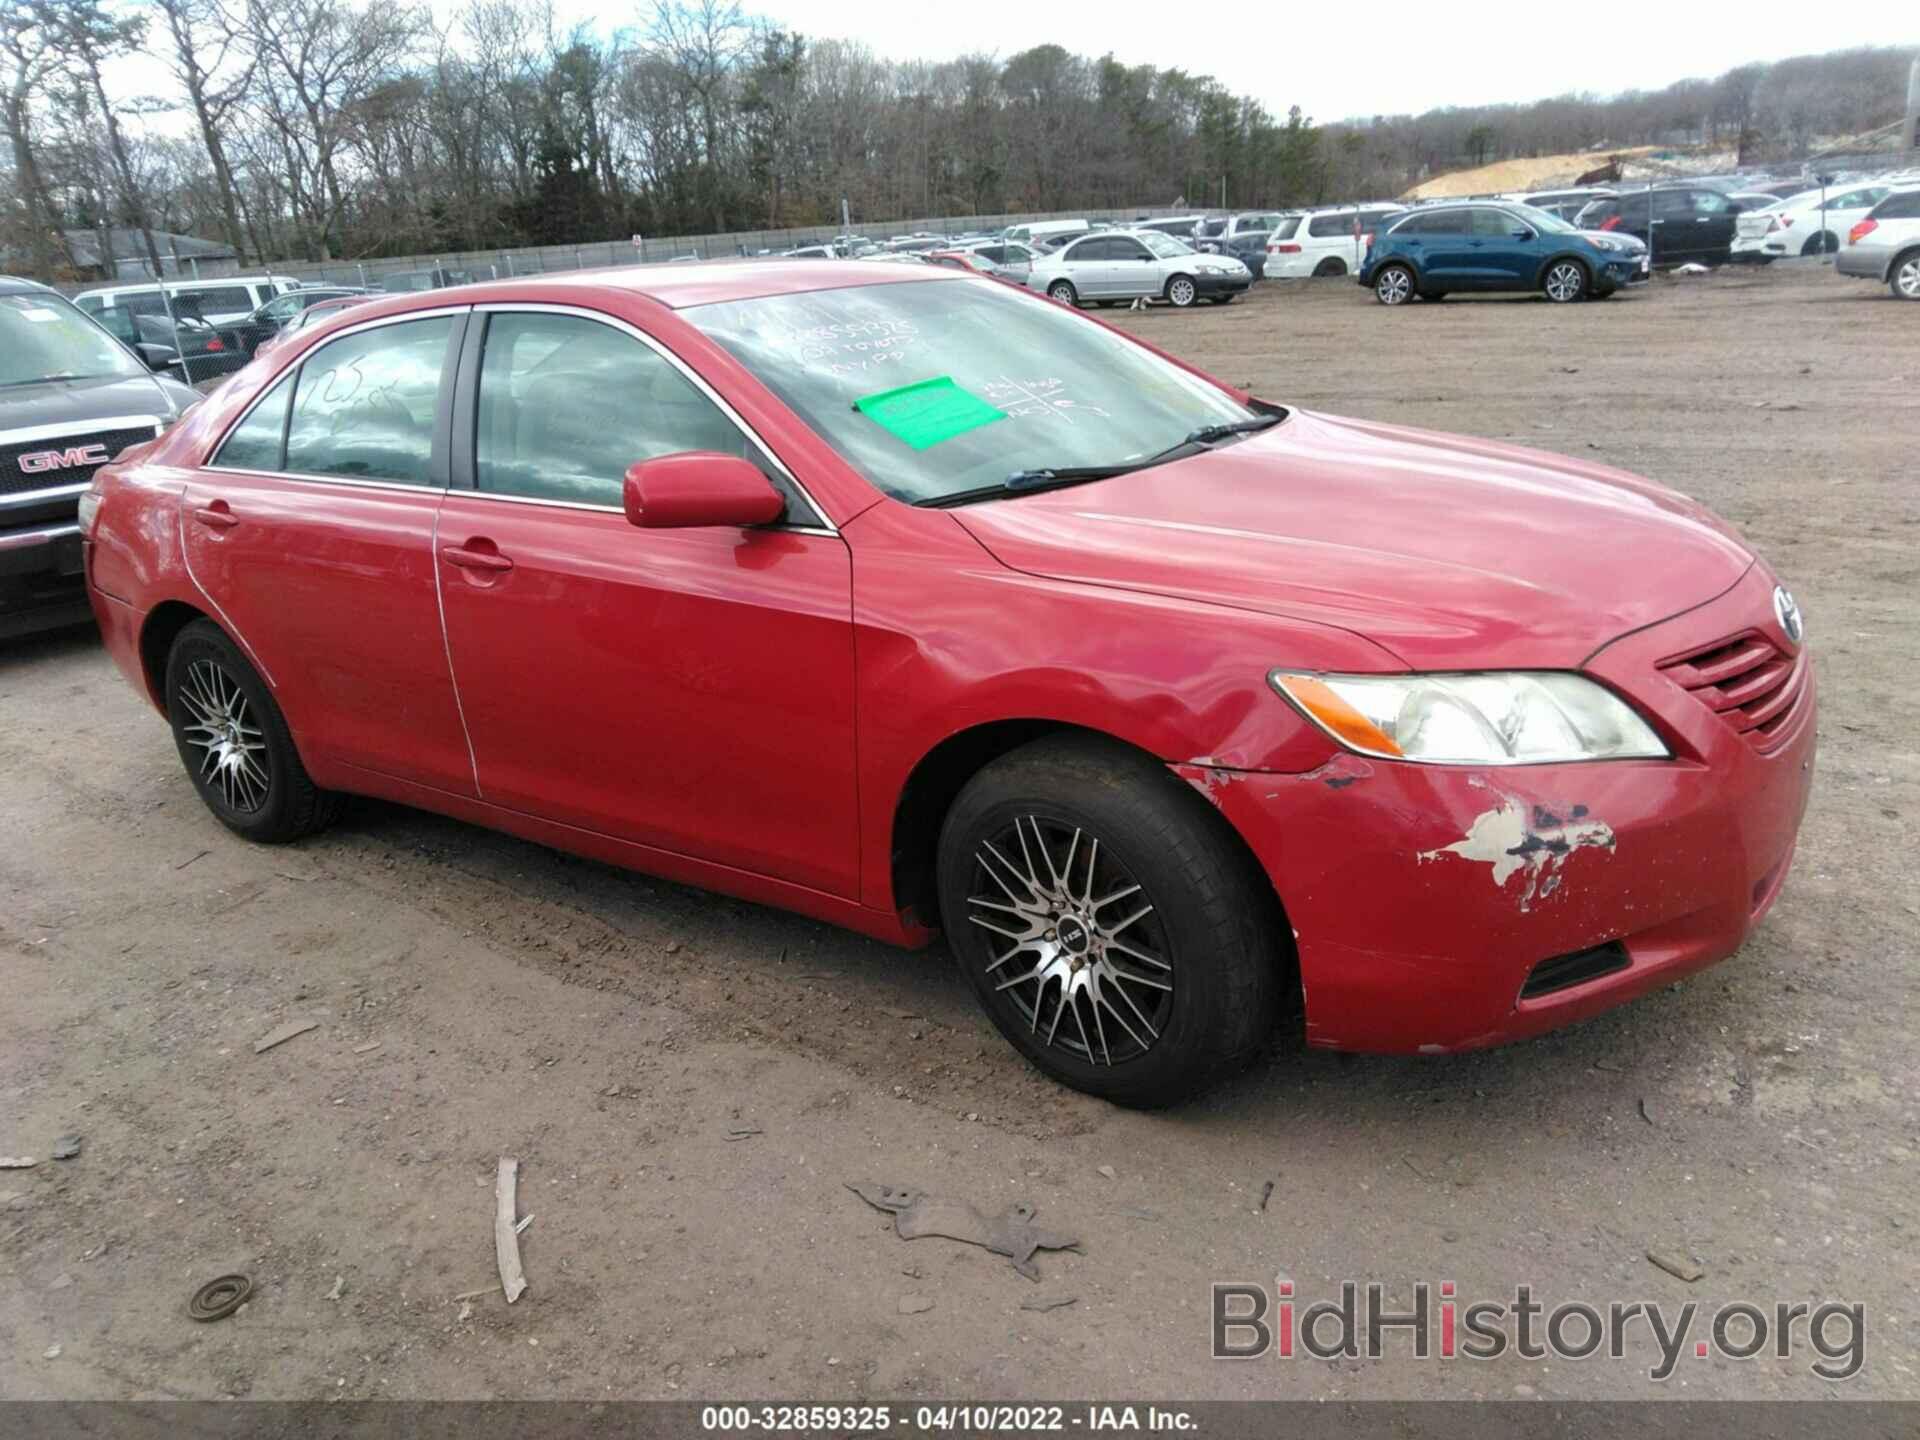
469, 558
216, 516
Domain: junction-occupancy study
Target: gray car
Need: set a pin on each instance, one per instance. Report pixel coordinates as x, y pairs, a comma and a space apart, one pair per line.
1885, 246
1136, 265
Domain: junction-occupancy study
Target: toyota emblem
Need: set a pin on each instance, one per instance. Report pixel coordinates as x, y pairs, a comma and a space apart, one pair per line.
1788, 613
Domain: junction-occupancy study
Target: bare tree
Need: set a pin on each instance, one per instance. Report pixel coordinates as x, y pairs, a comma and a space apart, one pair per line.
215, 66
27, 48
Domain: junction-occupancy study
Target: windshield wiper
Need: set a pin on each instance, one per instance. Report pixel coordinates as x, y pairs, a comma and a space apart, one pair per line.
1021, 481
1208, 434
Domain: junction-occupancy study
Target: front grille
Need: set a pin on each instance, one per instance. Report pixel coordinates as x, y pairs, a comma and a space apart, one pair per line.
1565, 971
1748, 682
15, 481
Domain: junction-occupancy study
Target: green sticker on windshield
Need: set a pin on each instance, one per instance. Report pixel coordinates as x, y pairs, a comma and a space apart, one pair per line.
927, 412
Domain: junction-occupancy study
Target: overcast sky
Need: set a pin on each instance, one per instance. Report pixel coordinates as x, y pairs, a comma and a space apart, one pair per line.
1334, 59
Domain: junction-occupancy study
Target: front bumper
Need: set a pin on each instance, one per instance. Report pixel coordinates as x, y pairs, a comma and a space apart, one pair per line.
1415, 934
1631, 268
1208, 285
41, 578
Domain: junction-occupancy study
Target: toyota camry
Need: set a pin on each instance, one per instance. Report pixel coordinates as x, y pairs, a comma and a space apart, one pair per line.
917, 603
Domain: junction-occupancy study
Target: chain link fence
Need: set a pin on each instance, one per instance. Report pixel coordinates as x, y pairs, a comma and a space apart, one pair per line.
427, 271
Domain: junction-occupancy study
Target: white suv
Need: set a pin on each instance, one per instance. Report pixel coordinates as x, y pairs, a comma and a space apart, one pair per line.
1325, 242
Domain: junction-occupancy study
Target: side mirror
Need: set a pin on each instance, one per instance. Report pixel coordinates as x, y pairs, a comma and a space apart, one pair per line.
1522, 233
698, 488
158, 357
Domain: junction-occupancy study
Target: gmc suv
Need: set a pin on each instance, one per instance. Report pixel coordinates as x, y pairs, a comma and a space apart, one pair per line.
71, 398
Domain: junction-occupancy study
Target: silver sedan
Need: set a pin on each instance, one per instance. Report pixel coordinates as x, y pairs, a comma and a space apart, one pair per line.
1121, 265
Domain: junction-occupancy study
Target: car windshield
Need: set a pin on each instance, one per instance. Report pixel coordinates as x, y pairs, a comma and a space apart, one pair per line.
42, 337
1006, 382
1546, 221
1165, 246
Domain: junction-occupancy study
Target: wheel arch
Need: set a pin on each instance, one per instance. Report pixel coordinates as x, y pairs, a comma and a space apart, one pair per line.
1584, 262
936, 781
1910, 252
162, 627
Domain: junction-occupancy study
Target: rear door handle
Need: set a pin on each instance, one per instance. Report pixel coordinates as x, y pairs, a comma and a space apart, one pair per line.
470, 559
216, 516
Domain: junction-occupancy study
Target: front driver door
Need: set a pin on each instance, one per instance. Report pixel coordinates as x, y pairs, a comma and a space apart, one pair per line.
690, 690
1132, 268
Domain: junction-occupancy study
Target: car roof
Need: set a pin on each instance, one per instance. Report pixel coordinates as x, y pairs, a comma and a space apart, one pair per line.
681, 286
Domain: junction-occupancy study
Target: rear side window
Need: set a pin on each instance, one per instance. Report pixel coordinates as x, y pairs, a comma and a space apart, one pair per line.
567, 404
364, 405
1322, 225
1899, 207
259, 441
214, 300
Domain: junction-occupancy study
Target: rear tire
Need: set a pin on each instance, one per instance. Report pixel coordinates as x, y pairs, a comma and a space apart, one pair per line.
235, 743
1075, 862
1063, 292
1825, 243
1904, 278
1332, 265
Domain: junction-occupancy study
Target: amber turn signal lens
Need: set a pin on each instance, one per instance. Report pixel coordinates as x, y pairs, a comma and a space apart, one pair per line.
1335, 715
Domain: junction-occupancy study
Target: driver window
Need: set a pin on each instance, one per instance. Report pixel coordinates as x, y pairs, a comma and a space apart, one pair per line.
1493, 225
567, 404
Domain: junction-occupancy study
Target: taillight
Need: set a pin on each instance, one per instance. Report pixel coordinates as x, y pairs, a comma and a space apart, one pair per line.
214, 345
1283, 249
1786, 222
1861, 231
1612, 222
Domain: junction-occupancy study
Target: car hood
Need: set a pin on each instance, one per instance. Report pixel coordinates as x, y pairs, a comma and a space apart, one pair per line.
1450, 552
87, 403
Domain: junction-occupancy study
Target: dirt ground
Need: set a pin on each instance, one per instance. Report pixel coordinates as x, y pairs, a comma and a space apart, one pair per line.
689, 1082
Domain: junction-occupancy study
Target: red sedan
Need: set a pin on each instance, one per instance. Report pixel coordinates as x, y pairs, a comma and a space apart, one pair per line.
910, 601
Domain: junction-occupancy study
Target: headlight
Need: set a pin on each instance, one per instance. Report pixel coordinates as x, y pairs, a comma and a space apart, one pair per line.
1613, 245
1516, 717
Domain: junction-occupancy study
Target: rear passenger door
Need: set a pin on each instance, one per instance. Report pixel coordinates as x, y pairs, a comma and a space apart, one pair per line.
689, 690
311, 531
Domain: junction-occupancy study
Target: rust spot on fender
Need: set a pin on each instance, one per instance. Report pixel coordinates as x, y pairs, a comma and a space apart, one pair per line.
1339, 772
1210, 780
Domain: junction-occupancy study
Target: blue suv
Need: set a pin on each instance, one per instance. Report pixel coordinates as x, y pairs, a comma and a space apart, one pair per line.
1441, 248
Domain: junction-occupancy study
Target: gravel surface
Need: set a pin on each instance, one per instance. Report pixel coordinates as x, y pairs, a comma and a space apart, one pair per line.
688, 1082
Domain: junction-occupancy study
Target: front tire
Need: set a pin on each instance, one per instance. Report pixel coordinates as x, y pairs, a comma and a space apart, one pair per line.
235, 743
1394, 285
1565, 281
1181, 291
1063, 292
1111, 927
